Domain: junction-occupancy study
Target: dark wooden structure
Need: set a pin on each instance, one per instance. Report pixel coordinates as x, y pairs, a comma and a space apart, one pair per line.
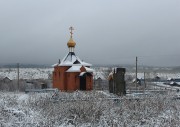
117, 84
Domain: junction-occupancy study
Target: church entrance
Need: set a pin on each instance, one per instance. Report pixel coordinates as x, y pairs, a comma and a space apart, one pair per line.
83, 82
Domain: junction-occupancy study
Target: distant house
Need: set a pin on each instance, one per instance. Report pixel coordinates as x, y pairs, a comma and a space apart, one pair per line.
174, 79
170, 79
138, 81
177, 79
36, 84
5, 80
173, 83
157, 78
98, 83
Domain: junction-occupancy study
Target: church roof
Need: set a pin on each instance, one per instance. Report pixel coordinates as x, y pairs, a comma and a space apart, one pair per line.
78, 69
89, 69
71, 59
74, 69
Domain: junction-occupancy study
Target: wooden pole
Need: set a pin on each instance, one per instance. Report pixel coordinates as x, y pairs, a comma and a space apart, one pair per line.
18, 75
144, 80
114, 81
136, 73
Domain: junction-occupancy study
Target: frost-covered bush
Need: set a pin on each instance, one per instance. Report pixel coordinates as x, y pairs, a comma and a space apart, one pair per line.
87, 109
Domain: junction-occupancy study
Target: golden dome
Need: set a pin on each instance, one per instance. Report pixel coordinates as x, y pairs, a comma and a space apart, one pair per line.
71, 43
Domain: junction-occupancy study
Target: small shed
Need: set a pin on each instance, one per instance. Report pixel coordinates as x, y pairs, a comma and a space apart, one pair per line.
172, 83
98, 83
5, 80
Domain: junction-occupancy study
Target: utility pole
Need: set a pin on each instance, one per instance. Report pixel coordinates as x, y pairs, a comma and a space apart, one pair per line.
144, 80
114, 81
144, 83
18, 75
136, 73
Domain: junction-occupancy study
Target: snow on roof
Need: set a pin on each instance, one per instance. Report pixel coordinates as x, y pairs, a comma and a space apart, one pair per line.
71, 59
169, 79
99, 74
4, 77
77, 68
134, 80
74, 69
110, 76
55, 64
89, 69
82, 73
172, 83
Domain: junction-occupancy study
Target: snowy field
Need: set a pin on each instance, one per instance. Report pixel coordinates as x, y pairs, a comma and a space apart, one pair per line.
26, 73
88, 109
102, 72
152, 75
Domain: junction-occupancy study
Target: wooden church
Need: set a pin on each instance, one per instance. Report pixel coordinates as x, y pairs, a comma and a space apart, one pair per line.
71, 73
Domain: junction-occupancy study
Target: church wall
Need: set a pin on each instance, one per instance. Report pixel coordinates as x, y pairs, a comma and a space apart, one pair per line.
72, 81
59, 77
77, 81
69, 81
89, 82
63, 77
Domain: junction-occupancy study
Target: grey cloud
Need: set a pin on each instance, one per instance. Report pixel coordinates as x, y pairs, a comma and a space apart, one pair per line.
106, 32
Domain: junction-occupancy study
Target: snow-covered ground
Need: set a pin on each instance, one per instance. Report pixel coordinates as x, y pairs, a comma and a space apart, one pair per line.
166, 86
153, 75
40, 110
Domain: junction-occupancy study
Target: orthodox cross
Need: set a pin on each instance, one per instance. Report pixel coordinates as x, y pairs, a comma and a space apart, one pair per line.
71, 30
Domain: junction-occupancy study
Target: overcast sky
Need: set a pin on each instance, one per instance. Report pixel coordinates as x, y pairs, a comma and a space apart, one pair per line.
106, 31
